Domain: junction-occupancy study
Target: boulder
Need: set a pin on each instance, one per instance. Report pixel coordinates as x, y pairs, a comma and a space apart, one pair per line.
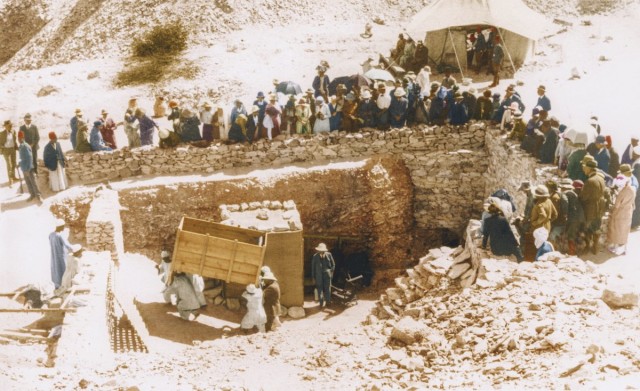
233, 304
296, 312
618, 294
410, 331
458, 270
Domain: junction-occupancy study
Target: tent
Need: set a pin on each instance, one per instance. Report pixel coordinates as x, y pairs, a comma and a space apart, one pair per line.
447, 21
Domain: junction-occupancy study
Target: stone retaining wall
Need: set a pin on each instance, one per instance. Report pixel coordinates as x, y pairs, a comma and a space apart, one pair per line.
446, 164
104, 227
151, 160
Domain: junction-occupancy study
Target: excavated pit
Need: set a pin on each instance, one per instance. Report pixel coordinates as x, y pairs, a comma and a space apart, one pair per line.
367, 204
414, 190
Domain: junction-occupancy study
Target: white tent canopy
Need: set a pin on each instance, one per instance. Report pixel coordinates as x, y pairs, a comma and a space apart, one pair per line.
512, 15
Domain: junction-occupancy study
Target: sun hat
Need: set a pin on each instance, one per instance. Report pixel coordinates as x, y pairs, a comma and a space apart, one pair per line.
269, 276
399, 92
625, 169
322, 247
541, 191
251, 289
163, 133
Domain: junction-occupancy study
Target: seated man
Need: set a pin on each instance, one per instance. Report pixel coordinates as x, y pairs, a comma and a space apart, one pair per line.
95, 138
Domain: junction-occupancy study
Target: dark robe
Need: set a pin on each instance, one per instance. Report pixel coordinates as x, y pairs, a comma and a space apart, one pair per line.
367, 112
253, 128
398, 112
484, 108
191, 129
53, 155
548, 148
271, 303
497, 231
458, 114
614, 162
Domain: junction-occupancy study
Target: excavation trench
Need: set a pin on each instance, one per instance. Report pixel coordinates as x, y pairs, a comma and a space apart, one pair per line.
392, 207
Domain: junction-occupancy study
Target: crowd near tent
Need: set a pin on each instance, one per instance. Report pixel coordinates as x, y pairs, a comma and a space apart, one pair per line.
445, 23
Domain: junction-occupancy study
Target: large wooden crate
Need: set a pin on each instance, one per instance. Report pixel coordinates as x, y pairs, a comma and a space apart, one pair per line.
218, 251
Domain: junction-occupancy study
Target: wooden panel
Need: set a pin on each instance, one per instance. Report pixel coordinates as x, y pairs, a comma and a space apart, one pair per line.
227, 253
220, 230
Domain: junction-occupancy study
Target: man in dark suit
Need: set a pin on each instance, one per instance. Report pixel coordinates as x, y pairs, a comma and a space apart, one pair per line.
254, 124
321, 84
31, 137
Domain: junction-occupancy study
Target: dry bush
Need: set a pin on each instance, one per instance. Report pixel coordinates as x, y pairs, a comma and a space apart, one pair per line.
167, 40
155, 57
155, 69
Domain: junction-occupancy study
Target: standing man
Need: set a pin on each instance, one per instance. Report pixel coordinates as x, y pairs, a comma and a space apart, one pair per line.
367, 110
147, 125
59, 247
398, 108
593, 203
543, 101
322, 268
627, 156
32, 137
480, 47
26, 165
74, 127
383, 102
9, 146
54, 161
132, 125
108, 129
238, 108
497, 58
321, 84
271, 296
206, 116
575, 214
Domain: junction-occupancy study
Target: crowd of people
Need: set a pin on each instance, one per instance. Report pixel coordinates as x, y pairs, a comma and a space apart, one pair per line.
567, 214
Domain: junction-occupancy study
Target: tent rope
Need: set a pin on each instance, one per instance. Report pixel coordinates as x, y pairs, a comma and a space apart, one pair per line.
504, 44
455, 52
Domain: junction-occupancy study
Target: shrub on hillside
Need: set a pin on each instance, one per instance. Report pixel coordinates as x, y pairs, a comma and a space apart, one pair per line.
155, 56
170, 39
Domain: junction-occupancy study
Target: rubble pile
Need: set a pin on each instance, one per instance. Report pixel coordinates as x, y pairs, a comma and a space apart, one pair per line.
454, 322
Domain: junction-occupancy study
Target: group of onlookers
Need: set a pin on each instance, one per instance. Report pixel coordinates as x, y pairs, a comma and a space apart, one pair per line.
594, 180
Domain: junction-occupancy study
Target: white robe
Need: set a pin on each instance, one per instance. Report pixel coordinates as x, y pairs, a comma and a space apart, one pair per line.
424, 81
322, 125
255, 315
57, 179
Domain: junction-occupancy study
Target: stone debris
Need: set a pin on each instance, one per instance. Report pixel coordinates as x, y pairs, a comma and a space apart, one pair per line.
526, 313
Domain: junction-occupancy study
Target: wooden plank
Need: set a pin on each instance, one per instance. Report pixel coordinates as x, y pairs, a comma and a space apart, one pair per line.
68, 298
36, 310
23, 336
218, 263
232, 260
204, 254
220, 230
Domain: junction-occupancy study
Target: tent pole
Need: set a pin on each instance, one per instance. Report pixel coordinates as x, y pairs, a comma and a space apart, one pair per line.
455, 52
507, 50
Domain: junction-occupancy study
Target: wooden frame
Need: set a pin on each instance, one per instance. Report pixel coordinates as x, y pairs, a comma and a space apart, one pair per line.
218, 251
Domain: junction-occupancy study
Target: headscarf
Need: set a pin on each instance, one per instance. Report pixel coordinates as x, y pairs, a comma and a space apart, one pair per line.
540, 236
621, 181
